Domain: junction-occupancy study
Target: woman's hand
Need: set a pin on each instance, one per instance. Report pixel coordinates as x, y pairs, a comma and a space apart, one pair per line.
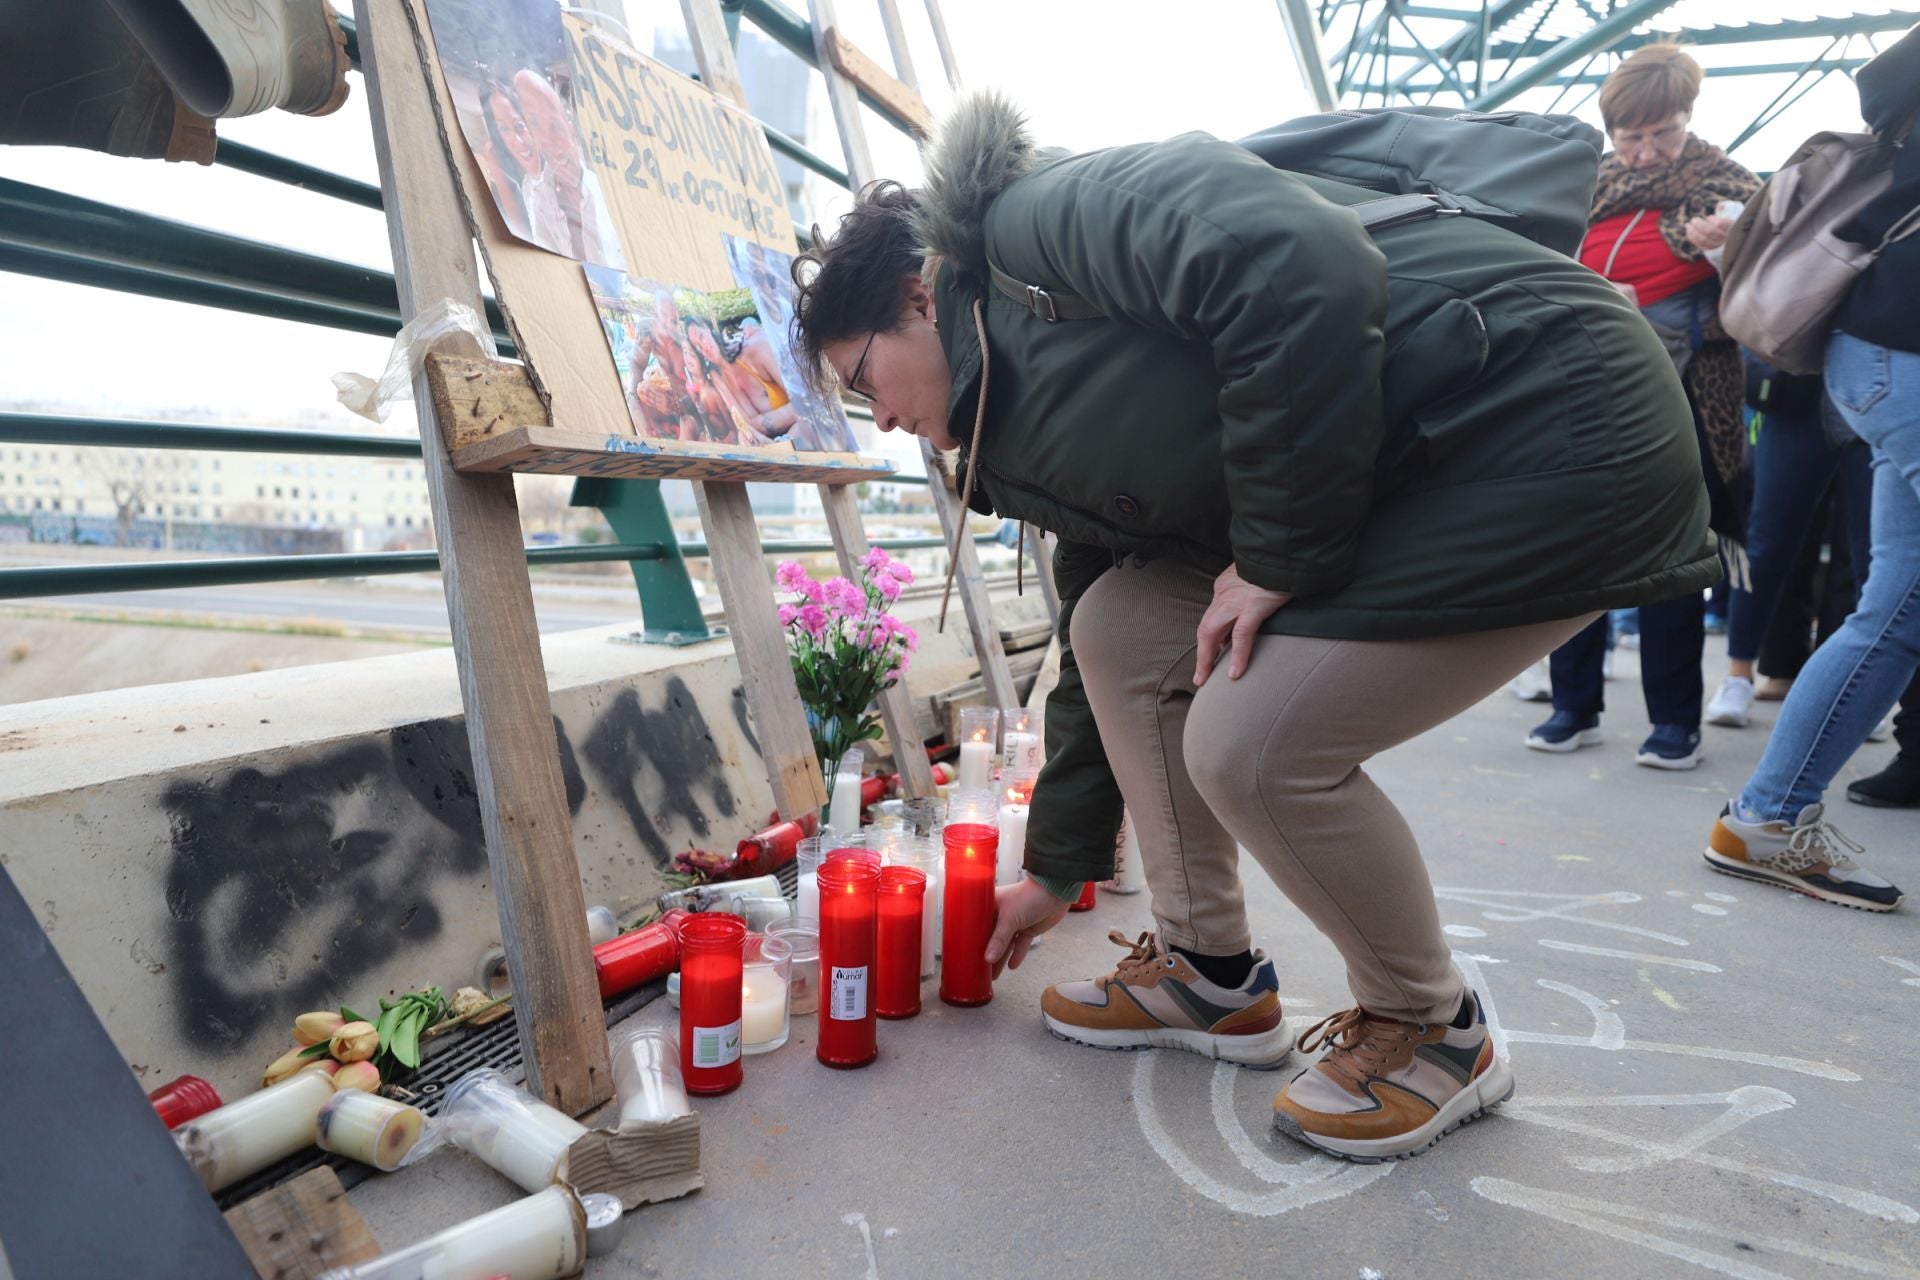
1024, 911
1708, 233
1234, 618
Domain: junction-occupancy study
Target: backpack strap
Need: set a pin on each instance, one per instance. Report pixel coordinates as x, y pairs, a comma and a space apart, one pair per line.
1056, 304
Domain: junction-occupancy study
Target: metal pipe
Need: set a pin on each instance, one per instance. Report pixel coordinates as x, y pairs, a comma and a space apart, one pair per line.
797, 152
128, 433
1303, 33
1599, 37
65, 237
78, 579
266, 164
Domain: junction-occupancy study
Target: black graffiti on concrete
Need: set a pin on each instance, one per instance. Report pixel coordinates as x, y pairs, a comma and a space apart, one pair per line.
743, 718
675, 745
286, 885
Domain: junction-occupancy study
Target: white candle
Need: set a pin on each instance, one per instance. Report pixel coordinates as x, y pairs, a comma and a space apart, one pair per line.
763, 1010
976, 763
646, 1079
510, 1130
247, 1135
806, 904
543, 1237
843, 812
930, 920
1013, 844
1022, 751
369, 1128
1129, 872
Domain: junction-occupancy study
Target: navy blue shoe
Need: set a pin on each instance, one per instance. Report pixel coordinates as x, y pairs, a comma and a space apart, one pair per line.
1565, 731
1670, 746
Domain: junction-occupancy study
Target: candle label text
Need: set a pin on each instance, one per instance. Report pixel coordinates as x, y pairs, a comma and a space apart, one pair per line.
849, 1003
716, 1046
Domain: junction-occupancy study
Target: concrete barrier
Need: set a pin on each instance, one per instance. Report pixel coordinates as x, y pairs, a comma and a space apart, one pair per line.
215, 856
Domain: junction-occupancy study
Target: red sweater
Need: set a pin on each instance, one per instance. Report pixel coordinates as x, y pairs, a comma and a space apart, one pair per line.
1643, 259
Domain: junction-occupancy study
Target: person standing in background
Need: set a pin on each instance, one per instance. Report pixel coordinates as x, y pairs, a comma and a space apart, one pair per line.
1775, 830
1655, 217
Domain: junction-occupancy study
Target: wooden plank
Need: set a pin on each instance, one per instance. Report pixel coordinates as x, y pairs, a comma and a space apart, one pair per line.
523, 803
850, 61
569, 453
475, 399
733, 549
896, 704
302, 1228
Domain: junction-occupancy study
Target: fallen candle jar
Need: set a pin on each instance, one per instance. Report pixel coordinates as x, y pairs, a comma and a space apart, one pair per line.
181, 1099
373, 1130
803, 980
509, 1129
769, 850
543, 1237
711, 951
710, 897
761, 914
848, 881
646, 1078
902, 901
248, 1134
972, 842
637, 958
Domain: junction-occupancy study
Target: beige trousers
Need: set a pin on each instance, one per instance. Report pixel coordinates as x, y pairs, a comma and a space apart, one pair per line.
1272, 762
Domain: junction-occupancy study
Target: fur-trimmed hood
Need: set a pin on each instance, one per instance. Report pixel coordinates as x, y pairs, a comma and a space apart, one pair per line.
978, 151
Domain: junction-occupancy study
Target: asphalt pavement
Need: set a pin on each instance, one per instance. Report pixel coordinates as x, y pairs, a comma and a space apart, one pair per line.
1714, 1077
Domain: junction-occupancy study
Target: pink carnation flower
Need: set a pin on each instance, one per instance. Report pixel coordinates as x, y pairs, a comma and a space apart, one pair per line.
790, 575
877, 559
815, 592
787, 614
900, 571
844, 596
812, 619
887, 585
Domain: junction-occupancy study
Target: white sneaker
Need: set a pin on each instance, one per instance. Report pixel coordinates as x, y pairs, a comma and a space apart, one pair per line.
1882, 731
1733, 705
1606, 665
1535, 684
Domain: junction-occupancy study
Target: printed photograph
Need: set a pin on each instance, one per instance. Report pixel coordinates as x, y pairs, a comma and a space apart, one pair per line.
694, 366
816, 422
510, 76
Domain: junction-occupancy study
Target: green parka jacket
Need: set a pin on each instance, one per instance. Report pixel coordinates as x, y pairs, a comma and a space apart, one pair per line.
1438, 428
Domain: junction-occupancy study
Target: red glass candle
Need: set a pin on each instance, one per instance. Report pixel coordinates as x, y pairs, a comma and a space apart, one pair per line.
178, 1101
637, 958
712, 951
848, 886
896, 983
972, 842
769, 850
1085, 900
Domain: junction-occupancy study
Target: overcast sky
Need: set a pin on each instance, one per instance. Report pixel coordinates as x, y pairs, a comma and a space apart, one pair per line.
1089, 73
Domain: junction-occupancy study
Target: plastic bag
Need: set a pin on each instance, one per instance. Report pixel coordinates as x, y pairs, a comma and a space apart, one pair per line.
372, 398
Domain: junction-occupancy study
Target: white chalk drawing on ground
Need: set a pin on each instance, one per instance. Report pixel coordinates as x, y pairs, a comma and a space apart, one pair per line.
1509, 906
1310, 1180
859, 1220
1643, 957
1909, 966
1463, 931
1629, 1224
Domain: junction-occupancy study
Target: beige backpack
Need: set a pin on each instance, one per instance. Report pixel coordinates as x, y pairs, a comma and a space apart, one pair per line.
1784, 272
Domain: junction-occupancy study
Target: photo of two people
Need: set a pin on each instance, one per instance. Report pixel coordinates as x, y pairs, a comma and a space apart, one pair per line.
510, 76
716, 367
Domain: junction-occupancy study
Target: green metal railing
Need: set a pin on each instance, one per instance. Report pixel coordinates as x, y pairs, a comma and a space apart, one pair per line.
74, 240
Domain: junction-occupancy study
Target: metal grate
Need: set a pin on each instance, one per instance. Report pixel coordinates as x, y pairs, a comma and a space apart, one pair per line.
468, 1049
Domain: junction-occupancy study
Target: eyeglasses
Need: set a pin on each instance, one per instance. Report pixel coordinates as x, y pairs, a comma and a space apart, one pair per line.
853, 383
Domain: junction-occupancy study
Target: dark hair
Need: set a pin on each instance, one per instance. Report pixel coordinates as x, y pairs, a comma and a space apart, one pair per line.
850, 285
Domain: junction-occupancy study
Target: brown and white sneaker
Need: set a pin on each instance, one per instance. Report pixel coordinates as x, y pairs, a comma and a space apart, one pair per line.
1154, 999
1386, 1089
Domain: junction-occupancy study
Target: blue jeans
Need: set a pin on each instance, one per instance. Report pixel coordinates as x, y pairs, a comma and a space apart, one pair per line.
1792, 467
1671, 640
1856, 676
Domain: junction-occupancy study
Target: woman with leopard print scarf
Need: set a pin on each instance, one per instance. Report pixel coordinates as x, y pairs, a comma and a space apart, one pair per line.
1655, 216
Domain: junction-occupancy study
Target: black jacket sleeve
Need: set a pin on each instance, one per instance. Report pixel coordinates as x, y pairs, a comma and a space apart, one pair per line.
1075, 818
